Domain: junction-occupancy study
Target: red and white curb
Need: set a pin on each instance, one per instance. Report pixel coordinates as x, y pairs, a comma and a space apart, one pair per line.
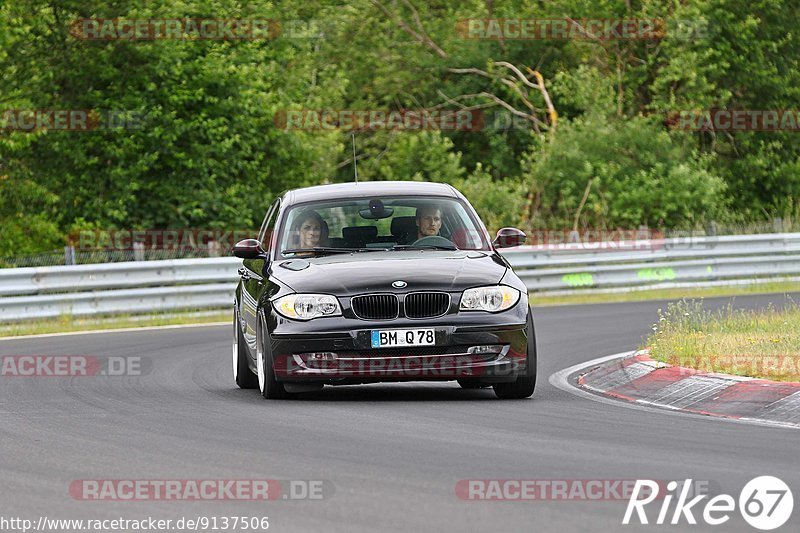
633, 379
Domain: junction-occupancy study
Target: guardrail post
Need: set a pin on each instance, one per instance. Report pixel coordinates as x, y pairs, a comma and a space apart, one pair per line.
138, 251
69, 255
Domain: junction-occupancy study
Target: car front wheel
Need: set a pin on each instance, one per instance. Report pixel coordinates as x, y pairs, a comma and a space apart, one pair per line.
242, 374
270, 387
524, 386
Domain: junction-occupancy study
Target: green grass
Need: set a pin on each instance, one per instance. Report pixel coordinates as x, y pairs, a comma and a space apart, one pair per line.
68, 323
665, 294
760, 344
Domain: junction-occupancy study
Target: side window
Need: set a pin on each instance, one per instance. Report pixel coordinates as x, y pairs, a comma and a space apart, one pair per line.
268, 227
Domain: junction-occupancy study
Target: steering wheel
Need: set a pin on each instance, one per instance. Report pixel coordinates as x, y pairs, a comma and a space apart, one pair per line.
434, 240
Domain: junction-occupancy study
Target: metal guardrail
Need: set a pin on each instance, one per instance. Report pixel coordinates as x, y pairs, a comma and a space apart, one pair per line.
152, 286
663, 262
131, 274
132, 287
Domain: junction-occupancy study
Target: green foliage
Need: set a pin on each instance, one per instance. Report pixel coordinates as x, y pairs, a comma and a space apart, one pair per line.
750, 60
209, 153
423, 156
630, 171
500, 203
27, 218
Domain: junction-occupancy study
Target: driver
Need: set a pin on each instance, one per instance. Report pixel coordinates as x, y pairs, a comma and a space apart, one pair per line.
429, 221
310, 230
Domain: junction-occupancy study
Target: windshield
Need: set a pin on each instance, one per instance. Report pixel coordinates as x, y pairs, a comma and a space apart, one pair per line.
373, 224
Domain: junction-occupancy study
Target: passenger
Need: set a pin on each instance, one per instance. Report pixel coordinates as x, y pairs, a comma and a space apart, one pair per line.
309, 230
429, 221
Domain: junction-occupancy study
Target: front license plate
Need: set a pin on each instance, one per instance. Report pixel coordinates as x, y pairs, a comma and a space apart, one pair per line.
385, 338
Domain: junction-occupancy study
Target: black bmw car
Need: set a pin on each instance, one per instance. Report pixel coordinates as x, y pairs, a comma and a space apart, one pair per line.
380, 281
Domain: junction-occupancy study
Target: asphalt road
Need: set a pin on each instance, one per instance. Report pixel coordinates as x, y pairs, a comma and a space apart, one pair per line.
392, 453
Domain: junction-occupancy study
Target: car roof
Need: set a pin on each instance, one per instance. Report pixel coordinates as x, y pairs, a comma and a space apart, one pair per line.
368, 188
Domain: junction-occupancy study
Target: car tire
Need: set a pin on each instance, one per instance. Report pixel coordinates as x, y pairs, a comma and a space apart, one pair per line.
242, 375
270, 388
523, 386
471, 384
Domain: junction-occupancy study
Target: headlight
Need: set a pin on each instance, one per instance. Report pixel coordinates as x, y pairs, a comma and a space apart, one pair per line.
491, 299
307, 306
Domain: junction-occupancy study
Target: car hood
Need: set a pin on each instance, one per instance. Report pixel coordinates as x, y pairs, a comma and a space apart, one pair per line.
349, 274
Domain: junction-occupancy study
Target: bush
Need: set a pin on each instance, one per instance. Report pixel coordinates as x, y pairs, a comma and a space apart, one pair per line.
499, 203
29, 234
27, 218
631, 171
423, 156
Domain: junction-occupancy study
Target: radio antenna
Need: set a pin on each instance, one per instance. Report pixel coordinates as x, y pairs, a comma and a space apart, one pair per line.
355, 164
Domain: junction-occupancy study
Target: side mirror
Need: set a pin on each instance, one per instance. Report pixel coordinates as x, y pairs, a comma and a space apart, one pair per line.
509, 237
248, 249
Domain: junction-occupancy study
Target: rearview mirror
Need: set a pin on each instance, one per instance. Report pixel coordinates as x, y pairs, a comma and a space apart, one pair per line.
376, 210
248, 249
509, 237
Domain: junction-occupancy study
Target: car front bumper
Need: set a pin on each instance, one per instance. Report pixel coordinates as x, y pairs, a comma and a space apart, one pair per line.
483, 347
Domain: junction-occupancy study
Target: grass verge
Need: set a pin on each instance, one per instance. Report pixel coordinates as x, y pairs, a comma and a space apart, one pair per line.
760, 344
665, 294
68, 323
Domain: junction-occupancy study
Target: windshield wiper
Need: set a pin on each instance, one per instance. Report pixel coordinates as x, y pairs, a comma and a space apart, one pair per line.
423, 247
319, 250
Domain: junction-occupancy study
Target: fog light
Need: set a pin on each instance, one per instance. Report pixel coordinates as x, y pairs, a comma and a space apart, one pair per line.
485, 350
319, 356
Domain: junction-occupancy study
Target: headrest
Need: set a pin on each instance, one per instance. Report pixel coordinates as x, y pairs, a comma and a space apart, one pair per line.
403, 226
359, 232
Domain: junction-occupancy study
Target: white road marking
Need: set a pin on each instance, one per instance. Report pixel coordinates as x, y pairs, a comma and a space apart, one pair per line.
691, 390
788, 405
622, 376
117, 330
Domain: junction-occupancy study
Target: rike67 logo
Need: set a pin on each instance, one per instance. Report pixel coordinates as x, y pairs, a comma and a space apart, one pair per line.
765, 503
